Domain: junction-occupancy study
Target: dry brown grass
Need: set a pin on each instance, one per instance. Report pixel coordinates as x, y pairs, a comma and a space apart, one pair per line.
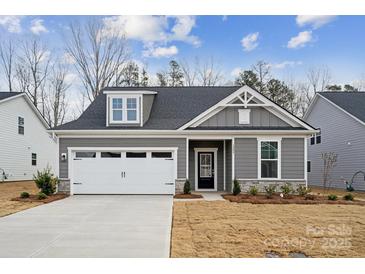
225, 229
338, 192
11, 190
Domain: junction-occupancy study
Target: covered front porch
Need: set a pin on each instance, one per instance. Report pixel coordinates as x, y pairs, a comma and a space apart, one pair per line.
209, 164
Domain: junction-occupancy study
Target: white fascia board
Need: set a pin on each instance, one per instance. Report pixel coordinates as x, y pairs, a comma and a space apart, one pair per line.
176, 133
311, 105
129, 92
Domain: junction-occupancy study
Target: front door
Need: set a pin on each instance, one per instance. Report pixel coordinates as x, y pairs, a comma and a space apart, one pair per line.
206, 170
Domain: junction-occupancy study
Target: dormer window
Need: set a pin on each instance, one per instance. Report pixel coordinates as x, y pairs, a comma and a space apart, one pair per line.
124, 109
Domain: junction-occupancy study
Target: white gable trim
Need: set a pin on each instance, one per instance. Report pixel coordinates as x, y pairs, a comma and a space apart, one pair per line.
333, 104
30, 103
226, 102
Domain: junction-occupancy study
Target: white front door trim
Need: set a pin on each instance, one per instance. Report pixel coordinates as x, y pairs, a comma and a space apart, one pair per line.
196, 160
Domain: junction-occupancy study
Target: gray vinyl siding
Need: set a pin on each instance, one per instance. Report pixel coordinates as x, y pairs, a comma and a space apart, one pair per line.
228, 165
292, 158
259, 116
341, 134
206, 144
147, 106
180, 143
245, 158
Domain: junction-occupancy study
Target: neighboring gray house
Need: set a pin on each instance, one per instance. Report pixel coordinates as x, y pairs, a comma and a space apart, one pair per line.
340, 116
149, 140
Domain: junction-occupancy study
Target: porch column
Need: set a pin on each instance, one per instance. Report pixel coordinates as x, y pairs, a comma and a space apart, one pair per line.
187, 158
233, 159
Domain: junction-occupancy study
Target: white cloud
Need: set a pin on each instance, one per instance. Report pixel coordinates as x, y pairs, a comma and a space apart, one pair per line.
68, 59
315, 21
285, 64
156, 29
300, 40
249, 42
236, 72
161, 52
37, 27
11, 23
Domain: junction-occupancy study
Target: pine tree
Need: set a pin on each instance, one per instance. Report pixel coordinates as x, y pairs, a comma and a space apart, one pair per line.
176, 76
130, 75
144, 78
161, 79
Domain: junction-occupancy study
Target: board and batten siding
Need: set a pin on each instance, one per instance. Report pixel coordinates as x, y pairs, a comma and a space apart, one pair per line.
180, 143
16, 149
292, 158
341, 134
259, 116
206, 144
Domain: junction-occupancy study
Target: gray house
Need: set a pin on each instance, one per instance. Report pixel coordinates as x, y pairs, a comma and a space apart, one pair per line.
340, 116
150, 140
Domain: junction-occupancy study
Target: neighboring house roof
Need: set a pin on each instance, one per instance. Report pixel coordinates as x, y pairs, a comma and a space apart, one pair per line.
175, 108
351, 102
6, 96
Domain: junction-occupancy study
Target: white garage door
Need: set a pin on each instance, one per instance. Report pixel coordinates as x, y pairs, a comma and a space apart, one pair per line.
123, 172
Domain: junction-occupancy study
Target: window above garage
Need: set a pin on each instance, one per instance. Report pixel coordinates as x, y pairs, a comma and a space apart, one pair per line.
124, 109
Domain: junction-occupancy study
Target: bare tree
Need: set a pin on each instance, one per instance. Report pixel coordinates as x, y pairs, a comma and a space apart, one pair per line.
7, 59
32, 70
189, 73
329, 162
262, 70
208, 73
99, 55
319, 78
56, 101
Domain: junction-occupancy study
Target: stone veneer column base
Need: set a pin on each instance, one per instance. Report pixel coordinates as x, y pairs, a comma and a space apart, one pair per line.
63, 186
246, 184
179, 185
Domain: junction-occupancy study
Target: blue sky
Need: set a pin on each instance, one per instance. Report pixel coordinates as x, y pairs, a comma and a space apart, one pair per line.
290, 44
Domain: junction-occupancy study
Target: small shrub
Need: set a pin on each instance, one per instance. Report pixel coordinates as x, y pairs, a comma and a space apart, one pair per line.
187, 187
46, 181
236, 187
332, 197
24, 195
286, 189
309, 197
270, 190
348, 197
253, 190
302, 190
41, 196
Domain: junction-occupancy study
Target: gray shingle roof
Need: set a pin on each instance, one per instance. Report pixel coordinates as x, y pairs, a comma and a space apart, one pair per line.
352, 102
172, 107
5, 95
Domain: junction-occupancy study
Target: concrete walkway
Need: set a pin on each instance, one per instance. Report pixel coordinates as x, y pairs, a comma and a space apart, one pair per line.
90, 226
207, 196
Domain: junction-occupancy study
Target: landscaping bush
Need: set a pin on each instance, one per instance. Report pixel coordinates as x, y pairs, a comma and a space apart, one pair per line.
236, 187
270, 190
187, 187
332, 197
302, 190
41, 196
253, 190
286, 189
24, 195
348, 197
46, 181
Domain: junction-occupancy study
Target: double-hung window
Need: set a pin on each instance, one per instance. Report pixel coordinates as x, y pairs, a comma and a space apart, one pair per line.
21, 125
269, 159
124, 109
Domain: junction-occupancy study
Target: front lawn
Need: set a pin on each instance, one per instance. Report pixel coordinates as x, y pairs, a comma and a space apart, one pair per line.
227, 229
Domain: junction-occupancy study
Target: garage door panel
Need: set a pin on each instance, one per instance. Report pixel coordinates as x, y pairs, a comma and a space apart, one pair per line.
123, 175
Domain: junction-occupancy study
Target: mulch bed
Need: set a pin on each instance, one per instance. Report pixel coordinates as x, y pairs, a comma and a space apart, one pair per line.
34, 198
291, 199
188, 196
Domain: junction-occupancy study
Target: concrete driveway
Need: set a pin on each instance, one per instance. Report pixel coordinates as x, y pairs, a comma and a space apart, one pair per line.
90, 226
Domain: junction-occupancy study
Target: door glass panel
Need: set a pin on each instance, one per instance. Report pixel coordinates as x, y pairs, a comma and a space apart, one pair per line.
161, 155
136, 155
205, 165
110, 155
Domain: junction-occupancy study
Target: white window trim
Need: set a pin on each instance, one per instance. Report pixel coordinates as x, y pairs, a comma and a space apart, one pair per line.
124, 109
196, 160
259, 141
